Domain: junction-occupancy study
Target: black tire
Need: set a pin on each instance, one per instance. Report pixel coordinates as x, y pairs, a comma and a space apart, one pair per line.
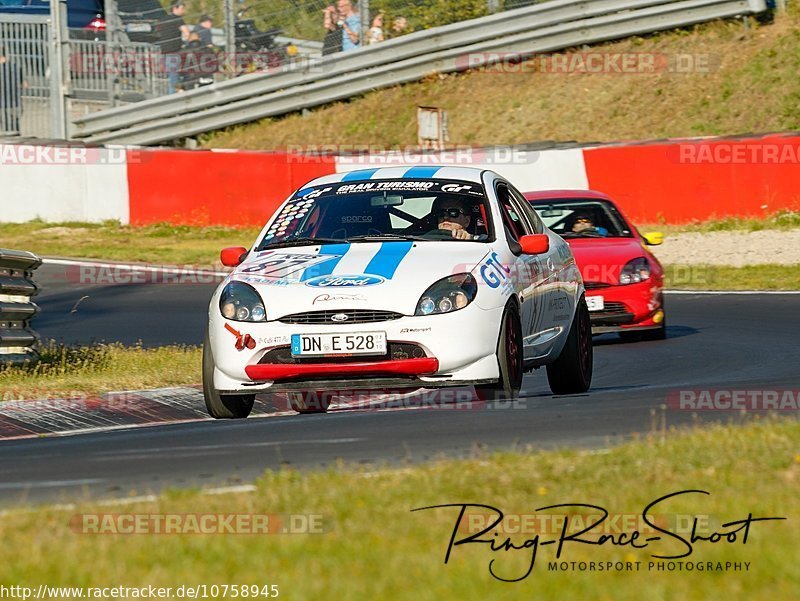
571, 373
222, 406
509, 361
308, 402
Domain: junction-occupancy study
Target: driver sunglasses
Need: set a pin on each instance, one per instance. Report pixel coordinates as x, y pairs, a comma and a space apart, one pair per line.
451, 212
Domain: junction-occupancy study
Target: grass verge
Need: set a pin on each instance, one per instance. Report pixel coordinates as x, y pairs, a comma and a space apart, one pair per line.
736, 81
374, 547
163, 244
723, 277
99, 368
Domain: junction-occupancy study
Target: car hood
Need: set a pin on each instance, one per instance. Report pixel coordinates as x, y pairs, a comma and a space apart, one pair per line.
386, 276
602, 259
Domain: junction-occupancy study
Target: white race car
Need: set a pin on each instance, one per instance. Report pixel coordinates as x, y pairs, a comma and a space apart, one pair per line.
398, 278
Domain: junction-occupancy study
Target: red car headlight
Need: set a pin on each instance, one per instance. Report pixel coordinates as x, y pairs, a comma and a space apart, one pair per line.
635, 271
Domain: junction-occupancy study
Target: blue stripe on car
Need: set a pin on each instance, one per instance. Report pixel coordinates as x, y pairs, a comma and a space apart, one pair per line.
388, 259
420, 172
360, 174
327, 267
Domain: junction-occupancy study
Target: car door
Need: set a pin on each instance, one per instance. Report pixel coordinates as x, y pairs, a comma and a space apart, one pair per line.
530, 271
557, 283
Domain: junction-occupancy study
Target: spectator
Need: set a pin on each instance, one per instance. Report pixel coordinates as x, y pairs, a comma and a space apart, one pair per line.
11, 85
399, 26
175, 32
333, 33
375, 33
203, 31
350, 22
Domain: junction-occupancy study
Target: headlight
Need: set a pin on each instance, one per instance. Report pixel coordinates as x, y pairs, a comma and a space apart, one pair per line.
635, 271
447, 295
241, 302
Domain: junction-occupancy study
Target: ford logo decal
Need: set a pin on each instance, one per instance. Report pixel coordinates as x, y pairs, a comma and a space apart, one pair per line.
344, 281
339, 317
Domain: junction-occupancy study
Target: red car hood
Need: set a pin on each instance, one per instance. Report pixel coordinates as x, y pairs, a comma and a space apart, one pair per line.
602, 259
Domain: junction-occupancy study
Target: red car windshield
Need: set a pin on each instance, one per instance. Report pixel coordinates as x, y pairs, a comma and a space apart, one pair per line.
583, 218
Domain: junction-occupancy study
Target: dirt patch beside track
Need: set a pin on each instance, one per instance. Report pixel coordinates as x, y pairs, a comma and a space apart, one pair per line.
735, 248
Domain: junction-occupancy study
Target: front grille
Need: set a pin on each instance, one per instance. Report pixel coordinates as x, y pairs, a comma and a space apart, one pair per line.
352, 315
396, 351
612, 307
595, 285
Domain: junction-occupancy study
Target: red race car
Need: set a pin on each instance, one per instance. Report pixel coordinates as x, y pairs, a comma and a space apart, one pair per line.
624, 281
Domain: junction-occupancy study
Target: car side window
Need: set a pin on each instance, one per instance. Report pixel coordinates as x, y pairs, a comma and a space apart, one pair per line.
512, 220
528, 211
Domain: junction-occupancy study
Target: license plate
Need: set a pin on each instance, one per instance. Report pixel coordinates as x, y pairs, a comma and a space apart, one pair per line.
357, 343
595, 303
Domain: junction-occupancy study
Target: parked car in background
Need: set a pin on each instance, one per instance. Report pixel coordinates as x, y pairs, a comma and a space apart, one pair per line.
624, 280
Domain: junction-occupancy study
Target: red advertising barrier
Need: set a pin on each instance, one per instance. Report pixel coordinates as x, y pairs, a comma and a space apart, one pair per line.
682, 181
192, 187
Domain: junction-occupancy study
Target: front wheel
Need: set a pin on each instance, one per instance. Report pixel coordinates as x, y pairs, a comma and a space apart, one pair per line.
509, 361
571, 373
222, 406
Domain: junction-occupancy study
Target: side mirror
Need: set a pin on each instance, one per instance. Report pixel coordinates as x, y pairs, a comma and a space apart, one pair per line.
232, 256
653, 238
535, 244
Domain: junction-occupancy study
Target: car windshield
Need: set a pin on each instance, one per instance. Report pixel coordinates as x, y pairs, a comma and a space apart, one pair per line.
582, 218
382, 210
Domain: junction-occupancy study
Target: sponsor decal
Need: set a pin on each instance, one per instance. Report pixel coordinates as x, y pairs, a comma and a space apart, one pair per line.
325, 298
400, 185
273, 340
415, 330
493, 272
456, 188
345, 281
264, 281
277, 265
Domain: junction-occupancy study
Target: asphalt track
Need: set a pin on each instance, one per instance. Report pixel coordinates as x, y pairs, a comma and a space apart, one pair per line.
737, 341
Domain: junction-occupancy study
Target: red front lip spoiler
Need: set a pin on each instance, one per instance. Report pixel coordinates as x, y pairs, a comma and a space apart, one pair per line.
401, 367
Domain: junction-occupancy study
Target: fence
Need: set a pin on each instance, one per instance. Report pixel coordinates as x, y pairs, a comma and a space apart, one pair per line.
545, 27
25, 100
17, 339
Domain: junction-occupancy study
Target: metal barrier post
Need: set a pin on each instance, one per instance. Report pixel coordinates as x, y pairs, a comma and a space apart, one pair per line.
230, 37
59, 68
112, 47
363, 34
17, 339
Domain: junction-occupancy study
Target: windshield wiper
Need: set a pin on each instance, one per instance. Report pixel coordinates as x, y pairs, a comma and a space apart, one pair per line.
307, 241
374, 237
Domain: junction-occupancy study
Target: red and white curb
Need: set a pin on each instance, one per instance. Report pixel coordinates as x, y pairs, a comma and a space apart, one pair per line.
144, 408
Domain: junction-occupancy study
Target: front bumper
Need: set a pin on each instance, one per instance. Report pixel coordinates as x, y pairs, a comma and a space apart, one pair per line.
629, 307
456, 349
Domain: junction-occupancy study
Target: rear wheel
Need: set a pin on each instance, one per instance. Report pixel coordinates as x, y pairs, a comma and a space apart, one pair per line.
571, 373
509, 360
222, 406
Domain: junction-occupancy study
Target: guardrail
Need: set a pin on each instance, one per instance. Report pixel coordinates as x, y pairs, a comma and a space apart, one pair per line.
545, 27
17, 339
